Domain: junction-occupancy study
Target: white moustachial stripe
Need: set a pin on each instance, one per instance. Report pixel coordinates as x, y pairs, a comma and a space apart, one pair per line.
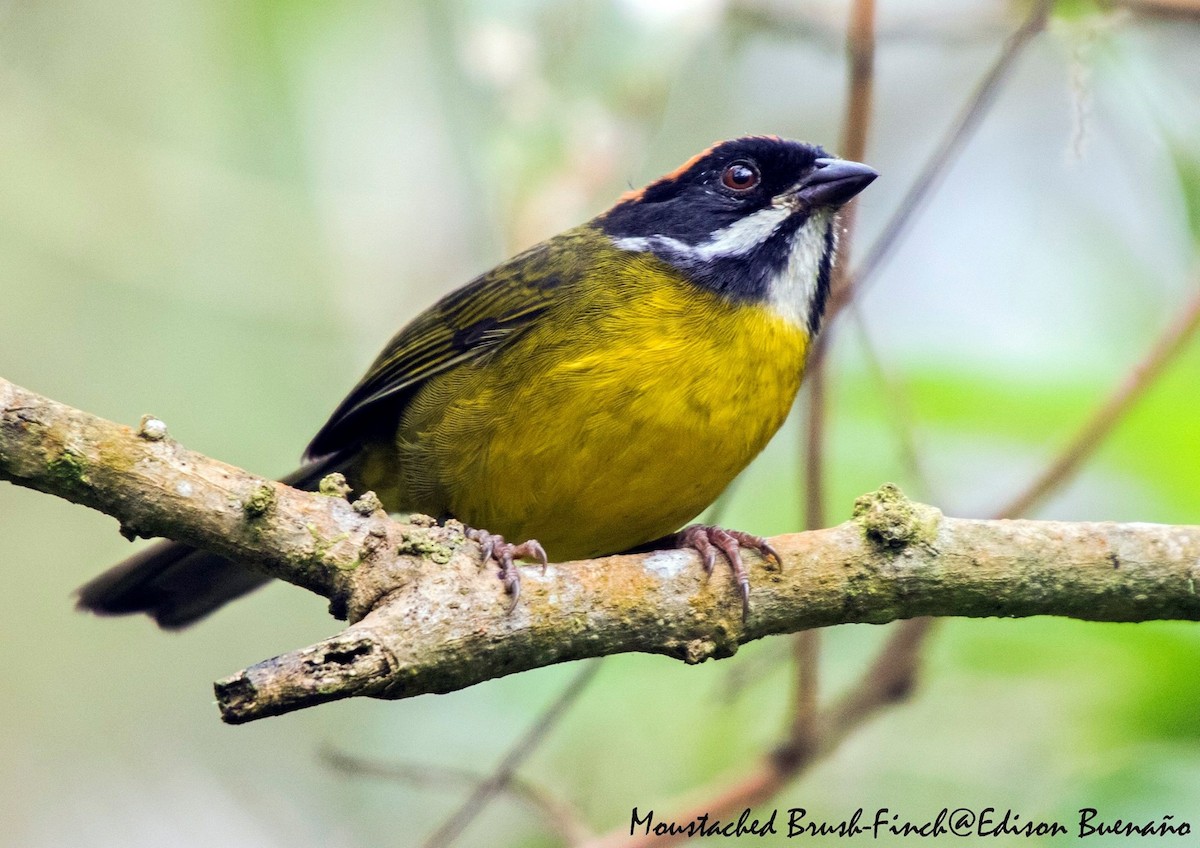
737, 239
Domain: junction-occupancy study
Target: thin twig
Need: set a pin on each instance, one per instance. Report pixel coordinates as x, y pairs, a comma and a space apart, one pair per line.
888, 680
807, 652
559, 814
813, 455
524, 747
892, 673
1127, 393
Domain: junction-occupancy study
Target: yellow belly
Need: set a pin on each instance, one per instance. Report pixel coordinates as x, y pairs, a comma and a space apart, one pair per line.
605, 426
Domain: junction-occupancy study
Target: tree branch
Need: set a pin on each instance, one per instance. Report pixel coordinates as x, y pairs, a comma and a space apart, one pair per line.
426, 618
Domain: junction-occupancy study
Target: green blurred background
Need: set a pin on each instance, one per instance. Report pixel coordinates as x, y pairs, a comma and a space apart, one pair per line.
218, 212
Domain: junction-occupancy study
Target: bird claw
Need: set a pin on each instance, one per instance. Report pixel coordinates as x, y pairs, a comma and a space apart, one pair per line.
505, 554
706, 540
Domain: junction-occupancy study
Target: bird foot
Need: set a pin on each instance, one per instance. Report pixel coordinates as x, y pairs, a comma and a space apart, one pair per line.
706, 540
505, 554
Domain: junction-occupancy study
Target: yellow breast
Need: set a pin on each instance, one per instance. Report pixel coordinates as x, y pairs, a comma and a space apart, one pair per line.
613, 421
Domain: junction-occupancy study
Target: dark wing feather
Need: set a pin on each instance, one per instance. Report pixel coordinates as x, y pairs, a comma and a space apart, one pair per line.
464, 326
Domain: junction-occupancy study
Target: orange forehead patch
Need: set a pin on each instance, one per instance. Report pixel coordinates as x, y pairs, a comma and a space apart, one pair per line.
636, 194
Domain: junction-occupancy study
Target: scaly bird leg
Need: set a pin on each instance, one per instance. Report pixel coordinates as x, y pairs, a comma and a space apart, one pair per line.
707, 539
505, 554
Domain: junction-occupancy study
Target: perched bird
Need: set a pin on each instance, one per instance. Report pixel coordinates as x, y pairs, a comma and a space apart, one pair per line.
593, 393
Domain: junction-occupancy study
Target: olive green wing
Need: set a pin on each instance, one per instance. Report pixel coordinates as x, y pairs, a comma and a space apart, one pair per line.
464, 326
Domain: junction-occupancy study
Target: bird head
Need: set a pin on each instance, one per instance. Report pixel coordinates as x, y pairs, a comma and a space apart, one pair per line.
752, 219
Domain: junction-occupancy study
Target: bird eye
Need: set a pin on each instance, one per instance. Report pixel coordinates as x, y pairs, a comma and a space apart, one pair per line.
740, 176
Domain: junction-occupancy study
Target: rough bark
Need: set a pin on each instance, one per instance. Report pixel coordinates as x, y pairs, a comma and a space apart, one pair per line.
425, 617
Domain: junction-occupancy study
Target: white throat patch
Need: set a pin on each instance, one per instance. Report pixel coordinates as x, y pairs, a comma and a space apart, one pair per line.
793, 289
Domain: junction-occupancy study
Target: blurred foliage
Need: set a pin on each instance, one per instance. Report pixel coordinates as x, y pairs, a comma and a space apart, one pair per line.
1189, 184
218, 212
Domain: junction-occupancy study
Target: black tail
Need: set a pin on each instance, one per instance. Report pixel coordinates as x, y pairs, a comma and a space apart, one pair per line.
177, 585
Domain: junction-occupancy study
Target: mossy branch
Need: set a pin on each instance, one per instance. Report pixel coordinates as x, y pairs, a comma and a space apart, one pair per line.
426, 618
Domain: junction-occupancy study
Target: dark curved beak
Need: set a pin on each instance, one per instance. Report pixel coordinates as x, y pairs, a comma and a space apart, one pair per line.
834, 182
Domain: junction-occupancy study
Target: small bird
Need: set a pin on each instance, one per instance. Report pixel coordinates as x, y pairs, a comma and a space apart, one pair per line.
588, 396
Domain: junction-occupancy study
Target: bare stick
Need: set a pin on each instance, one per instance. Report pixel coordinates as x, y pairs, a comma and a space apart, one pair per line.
803, 731
814, 444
